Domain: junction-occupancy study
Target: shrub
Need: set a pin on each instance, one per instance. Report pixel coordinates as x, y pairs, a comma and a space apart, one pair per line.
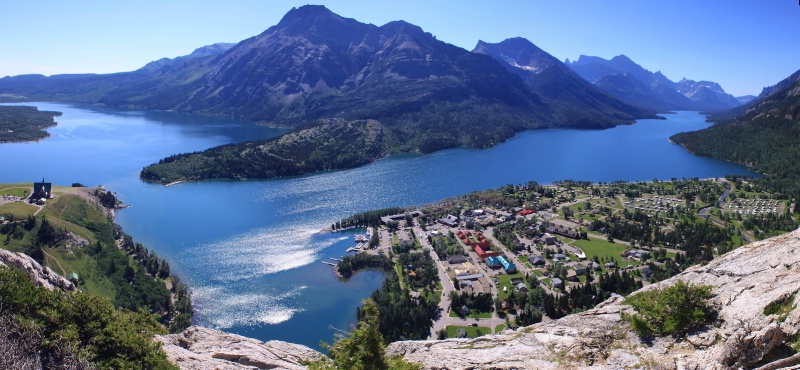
674, 310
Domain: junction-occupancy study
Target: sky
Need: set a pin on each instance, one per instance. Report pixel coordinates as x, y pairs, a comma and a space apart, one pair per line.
744, 45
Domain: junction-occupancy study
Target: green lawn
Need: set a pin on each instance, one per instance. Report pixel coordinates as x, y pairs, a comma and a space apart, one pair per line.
473, 315
20, 211
504, 280
601, 248
499, 328
19, 189
472, 331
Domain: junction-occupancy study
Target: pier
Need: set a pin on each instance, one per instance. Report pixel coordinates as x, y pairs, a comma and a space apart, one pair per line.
336, 259
329, 263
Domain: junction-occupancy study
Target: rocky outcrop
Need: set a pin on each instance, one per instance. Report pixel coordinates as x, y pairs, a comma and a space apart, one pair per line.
202, 348
745, 281
41, 276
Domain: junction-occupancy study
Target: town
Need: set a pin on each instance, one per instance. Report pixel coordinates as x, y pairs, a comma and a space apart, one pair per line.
518, 255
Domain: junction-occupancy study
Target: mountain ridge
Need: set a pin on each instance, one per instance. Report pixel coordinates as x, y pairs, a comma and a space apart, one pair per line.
662, 95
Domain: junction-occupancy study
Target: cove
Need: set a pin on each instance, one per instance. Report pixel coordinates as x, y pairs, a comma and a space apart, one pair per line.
251, 250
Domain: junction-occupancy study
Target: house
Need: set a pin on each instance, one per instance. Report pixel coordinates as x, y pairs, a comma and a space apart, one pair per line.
450, 220
580, 269
572, 276
610, 265
462, 333
559, 257
456, 259
522, 287
557, 283
537, 261
647, 272
548, 239
516, 281
525, 212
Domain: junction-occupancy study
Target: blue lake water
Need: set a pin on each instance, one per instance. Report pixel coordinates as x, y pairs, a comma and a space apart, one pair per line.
250, 250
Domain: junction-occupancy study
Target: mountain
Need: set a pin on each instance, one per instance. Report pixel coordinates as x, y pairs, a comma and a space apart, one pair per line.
316, 64
661, 94
552, 79
710, 93
744, 99
763, 136
205, 51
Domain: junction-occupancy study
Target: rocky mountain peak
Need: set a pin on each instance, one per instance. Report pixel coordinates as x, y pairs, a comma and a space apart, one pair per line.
520, 53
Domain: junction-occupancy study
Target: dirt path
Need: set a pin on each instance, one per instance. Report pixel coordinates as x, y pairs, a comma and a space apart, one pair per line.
63, 272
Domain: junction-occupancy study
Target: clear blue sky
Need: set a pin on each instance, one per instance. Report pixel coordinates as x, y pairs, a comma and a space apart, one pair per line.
742, 44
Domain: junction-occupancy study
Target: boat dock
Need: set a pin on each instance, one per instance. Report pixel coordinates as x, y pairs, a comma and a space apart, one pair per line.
336, 259
329, 263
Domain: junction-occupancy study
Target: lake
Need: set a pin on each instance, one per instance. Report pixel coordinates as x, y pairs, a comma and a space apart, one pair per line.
251, 250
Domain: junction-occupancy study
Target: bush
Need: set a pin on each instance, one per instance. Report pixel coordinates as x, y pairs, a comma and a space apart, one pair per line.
673, 310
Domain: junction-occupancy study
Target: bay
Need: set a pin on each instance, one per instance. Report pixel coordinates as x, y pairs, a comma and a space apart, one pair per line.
251, 250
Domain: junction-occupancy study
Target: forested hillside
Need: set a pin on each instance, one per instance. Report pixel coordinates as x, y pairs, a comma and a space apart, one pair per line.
766, 137
20, 123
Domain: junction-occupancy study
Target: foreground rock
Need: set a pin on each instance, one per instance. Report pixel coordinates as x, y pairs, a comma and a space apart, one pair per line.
202, 348
745, 281
41, 276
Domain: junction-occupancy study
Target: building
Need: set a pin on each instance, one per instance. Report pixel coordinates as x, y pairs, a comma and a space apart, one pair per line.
467, 277
450, 220
537, 261
484, 254
559, 257
74, 278
580, 269
508, 266
572, 276
42, 190
522, 287
563, 231
406, 241
493, 262
557, 283
456, 259
400, 216
548, 239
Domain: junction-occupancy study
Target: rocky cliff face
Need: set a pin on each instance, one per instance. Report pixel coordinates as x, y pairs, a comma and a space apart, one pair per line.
41, 276
201, 348
745, 282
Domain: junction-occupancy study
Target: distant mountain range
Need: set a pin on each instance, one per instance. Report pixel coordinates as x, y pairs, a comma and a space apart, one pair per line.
631, 83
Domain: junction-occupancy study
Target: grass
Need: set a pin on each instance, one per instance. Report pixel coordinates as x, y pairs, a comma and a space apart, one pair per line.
18, 189
499, 328
472, 331
20, 211
473, 315
602, 248
504, 280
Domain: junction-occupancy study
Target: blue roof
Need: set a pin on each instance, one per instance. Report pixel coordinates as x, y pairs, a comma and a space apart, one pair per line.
506, 265
492, 261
